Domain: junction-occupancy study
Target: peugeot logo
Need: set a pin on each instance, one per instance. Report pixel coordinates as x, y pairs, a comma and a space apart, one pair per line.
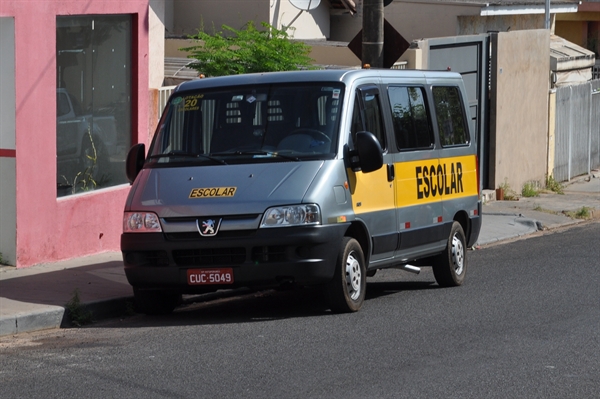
208, 227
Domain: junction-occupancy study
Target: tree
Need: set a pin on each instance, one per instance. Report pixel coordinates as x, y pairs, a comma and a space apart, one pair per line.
247, 50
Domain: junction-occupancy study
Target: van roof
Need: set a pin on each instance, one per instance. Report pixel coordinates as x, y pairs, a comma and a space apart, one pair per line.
328, 75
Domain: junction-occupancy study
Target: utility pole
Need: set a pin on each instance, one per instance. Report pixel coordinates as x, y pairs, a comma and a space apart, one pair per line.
547, 20
372, 33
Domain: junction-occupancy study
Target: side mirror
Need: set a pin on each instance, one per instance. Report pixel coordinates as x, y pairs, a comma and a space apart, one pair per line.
135, 161
369, 152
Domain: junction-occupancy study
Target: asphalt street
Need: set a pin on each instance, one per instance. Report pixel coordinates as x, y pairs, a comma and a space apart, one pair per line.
524, 325
35, 298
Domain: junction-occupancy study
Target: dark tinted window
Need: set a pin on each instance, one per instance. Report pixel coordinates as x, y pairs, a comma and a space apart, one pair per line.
367, 115
93, 94
451, 120
412, 127
243, 122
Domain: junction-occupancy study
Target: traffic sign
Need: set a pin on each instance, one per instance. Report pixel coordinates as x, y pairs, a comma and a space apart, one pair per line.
394, 45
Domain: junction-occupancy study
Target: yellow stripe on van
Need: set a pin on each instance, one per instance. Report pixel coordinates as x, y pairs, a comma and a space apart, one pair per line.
371, 192
431, 180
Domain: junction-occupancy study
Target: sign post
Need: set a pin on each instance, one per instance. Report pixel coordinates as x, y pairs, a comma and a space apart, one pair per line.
372, 33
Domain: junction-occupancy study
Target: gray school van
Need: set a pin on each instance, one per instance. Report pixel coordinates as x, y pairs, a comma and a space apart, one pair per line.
303, 178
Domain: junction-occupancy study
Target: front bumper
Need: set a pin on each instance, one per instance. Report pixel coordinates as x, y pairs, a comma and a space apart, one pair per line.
303, 255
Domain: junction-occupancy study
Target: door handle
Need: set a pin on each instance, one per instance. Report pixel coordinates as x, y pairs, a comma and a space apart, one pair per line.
391, 175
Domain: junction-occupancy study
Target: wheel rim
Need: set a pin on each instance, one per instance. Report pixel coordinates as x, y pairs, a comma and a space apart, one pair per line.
458, 255
353, 277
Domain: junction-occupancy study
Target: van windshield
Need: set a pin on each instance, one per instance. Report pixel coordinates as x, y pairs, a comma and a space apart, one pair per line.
258, 123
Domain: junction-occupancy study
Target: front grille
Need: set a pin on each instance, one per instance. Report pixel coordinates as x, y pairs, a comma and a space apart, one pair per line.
266, 254
209, 256
147, 258
195, 236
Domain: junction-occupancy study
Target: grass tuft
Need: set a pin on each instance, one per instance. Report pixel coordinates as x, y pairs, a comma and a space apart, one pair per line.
78, 314
584, 213
554, 186
529, 190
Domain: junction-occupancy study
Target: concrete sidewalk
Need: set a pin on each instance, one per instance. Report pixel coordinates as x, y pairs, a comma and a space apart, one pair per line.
509, 219
34, 298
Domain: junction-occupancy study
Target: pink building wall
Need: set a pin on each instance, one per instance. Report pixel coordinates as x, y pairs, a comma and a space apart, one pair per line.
50, 228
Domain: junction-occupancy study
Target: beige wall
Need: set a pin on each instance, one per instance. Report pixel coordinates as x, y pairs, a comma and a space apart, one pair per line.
313, 24
156, 26
172, 47
156, 58
324, 53
582, 26
573, 31
413, 20
189, 16
519, 108
474, 24
333, 54
169, 18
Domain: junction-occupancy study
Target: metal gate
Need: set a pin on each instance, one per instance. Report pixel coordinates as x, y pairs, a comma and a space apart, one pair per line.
469, 56
577, 134
595, 126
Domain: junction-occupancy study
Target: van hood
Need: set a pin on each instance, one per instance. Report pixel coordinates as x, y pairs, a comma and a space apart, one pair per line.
222, 189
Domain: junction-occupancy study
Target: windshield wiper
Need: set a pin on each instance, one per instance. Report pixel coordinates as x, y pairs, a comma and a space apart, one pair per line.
267, 154
181, 154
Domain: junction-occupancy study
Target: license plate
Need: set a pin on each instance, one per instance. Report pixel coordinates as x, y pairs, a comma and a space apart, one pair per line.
210, 276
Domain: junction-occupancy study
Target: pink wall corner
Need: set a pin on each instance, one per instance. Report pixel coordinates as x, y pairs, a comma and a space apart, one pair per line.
51, 229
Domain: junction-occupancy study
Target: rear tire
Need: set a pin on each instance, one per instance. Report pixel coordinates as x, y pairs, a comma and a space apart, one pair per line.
155, 302
346, 291
450, 267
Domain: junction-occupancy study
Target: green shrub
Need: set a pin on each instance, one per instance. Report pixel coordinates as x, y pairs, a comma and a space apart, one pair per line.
554, 186
247, 50
583, 213
509, 194
529, 190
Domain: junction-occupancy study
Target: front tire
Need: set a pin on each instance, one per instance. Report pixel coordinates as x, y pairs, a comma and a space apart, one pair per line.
450, 267
346, 292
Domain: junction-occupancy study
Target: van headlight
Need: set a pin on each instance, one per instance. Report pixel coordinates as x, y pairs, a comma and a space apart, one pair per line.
141, 222
292, 215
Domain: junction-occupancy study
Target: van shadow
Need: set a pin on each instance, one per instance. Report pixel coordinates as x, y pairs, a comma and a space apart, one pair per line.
260, 306
55, 285
379, 289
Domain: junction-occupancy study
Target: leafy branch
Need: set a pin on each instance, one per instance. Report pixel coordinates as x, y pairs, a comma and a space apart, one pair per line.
247, 50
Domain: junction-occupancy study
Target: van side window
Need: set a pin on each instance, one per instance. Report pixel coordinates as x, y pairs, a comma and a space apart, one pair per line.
450, 115
412, 127
367, 115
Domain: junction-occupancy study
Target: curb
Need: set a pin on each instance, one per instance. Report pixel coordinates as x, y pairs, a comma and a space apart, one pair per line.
30, 317
101, 310
34, 317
